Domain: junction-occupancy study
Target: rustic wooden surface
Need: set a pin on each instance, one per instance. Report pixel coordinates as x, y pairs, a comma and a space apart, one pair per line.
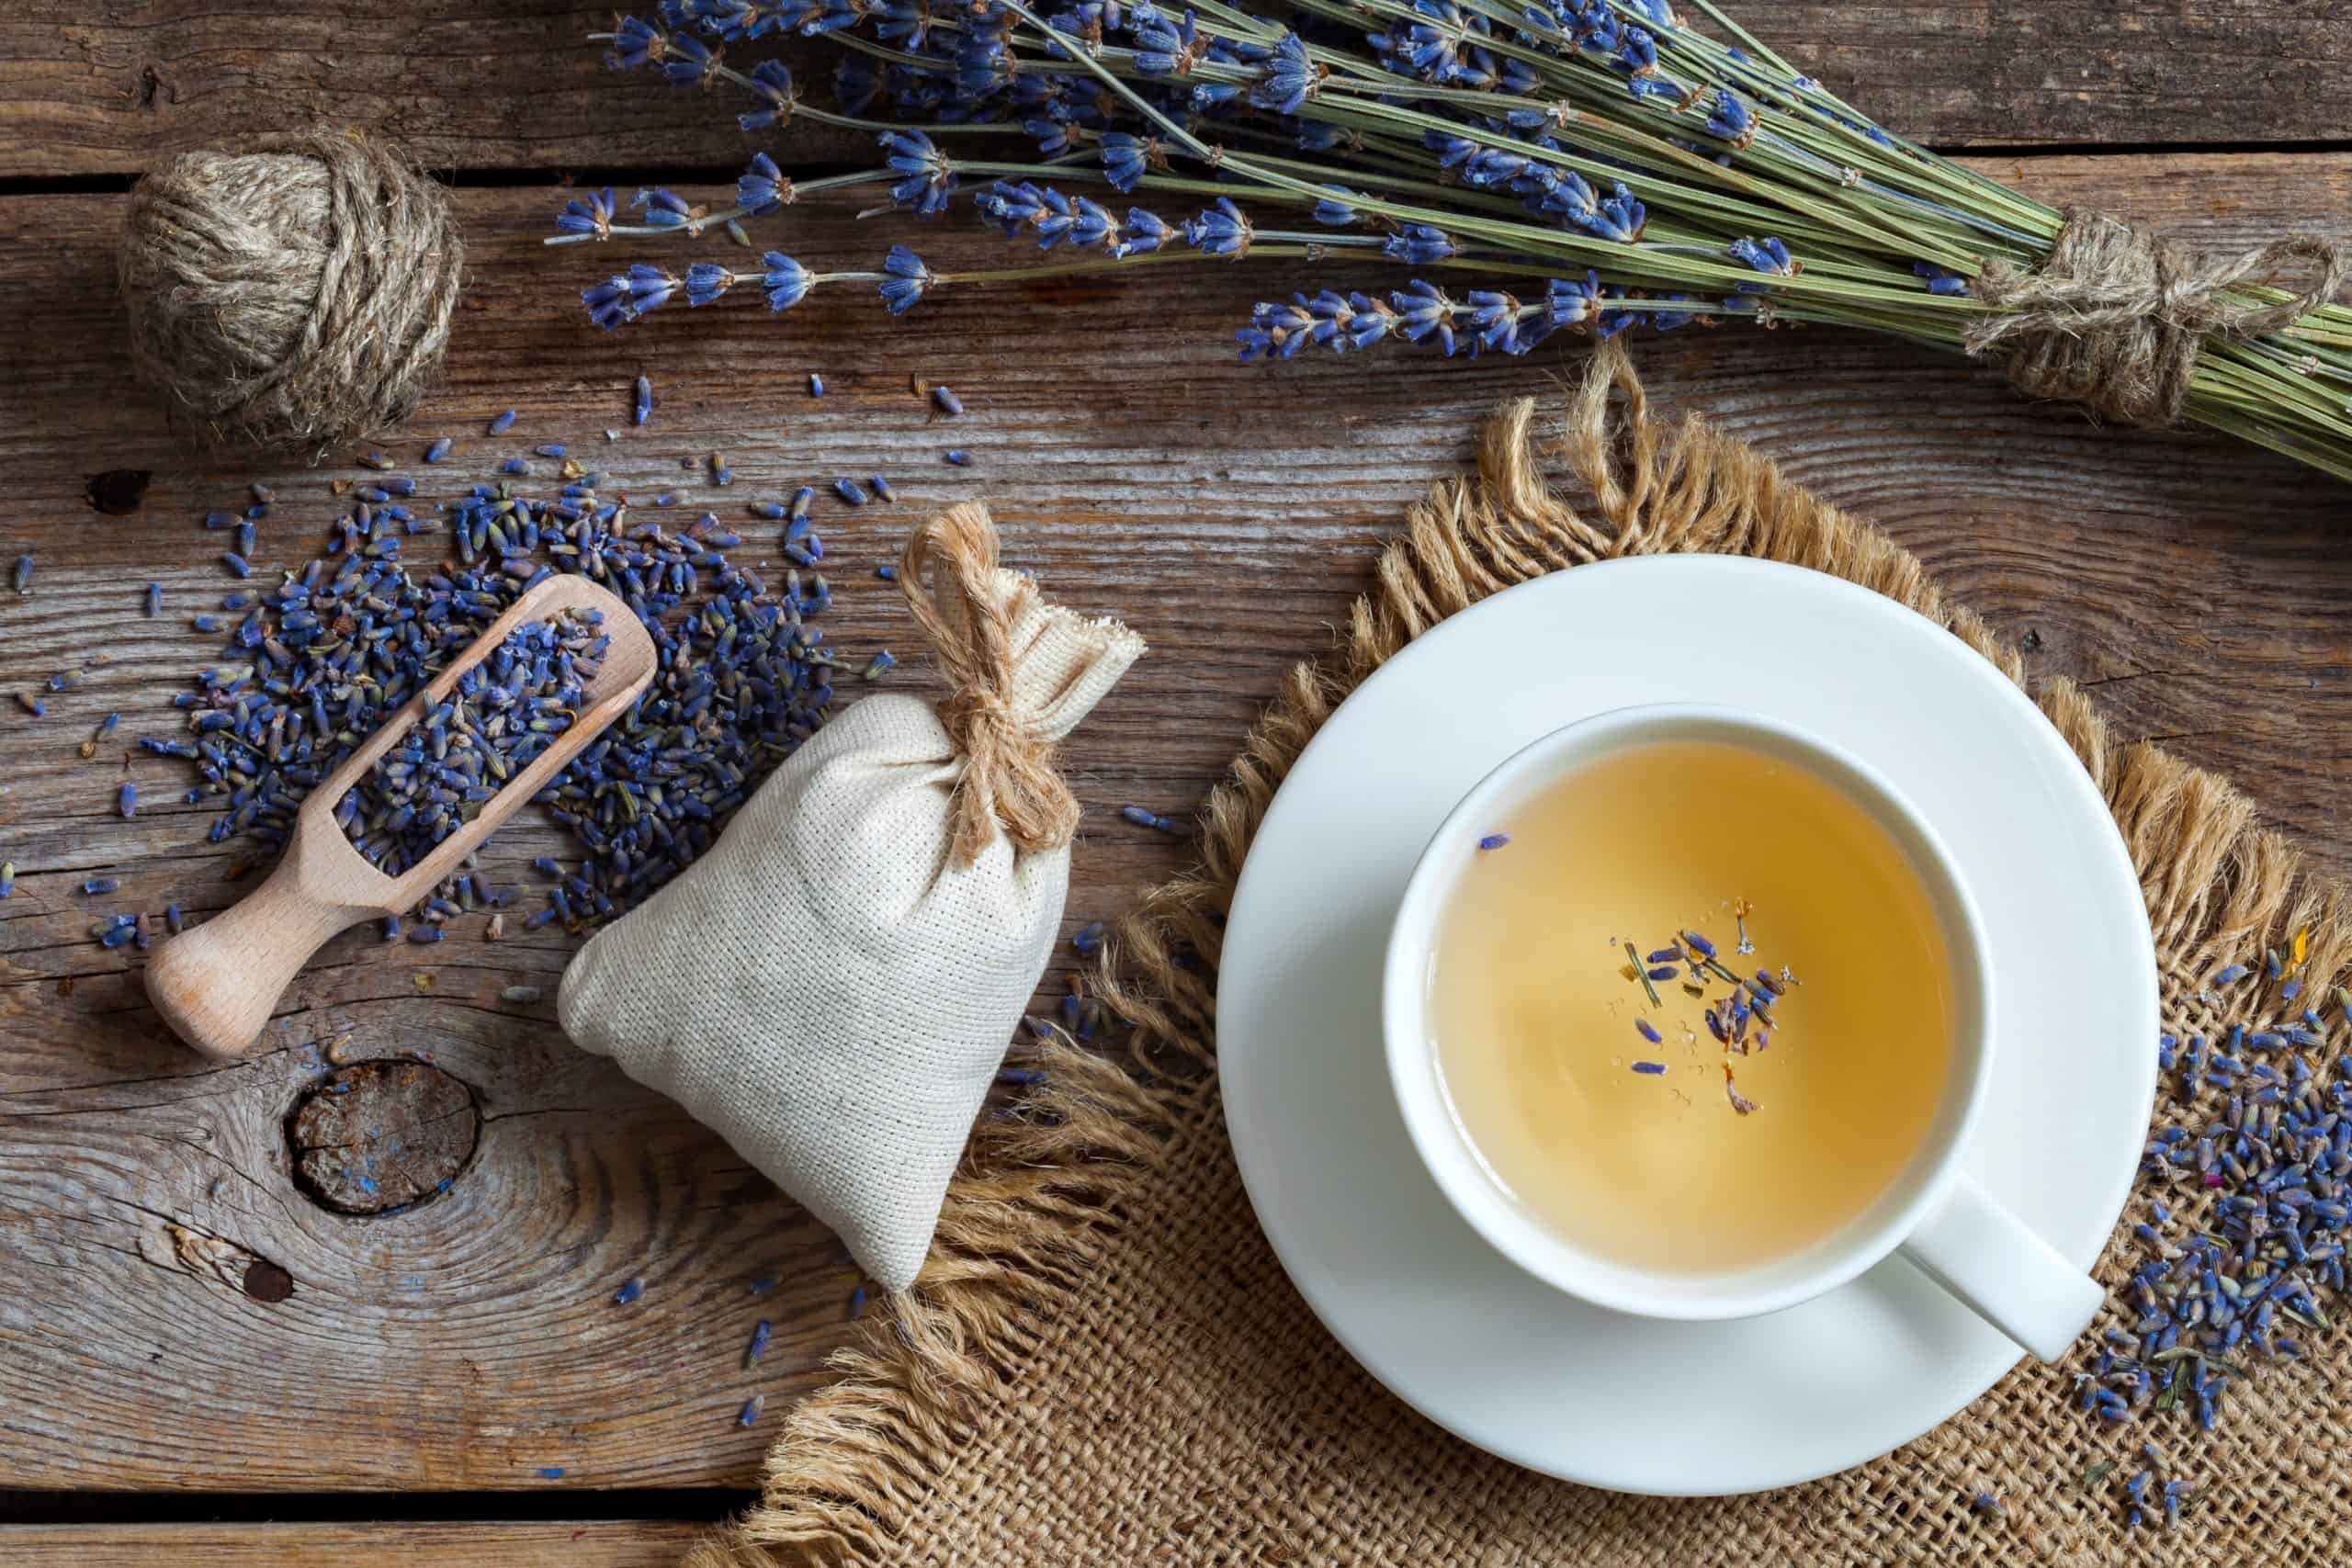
587, 1543
101, 86
184, 1316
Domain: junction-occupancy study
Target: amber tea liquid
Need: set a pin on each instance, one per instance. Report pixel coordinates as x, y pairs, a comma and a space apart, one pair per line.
1638, 1150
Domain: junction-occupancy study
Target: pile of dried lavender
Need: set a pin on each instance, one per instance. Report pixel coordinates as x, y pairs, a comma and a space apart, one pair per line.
503, 713
2254, 1152
319, 661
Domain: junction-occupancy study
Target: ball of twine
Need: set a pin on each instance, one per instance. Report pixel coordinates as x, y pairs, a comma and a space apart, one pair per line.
293, 295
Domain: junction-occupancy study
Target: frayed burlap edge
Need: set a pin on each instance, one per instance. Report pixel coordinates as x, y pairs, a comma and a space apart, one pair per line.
1041, 1194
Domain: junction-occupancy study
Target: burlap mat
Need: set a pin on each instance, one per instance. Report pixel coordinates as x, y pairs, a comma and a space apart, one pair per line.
1104, 1364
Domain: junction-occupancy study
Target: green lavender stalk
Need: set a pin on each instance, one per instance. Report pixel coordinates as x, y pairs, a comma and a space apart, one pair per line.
1589, 165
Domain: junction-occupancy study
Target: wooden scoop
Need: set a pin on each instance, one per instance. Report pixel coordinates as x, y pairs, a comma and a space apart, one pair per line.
216, 983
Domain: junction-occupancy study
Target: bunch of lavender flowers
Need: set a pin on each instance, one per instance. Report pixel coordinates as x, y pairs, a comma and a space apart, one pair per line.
1578, 166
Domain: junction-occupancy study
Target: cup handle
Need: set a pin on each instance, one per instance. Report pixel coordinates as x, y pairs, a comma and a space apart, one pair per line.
2003, 1272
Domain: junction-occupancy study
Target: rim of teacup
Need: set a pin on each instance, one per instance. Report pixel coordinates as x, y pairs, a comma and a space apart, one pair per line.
1452, 1157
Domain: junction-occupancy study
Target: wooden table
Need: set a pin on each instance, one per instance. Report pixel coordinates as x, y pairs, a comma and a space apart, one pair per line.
190, 1342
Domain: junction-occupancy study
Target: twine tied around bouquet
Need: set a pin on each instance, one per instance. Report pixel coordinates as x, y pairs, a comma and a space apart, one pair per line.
2115, 318
948, 572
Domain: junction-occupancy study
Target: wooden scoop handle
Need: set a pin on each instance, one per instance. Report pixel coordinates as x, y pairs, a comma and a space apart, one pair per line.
218, 983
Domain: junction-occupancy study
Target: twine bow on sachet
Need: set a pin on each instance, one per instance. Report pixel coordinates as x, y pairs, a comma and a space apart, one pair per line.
948, 572
2116, 317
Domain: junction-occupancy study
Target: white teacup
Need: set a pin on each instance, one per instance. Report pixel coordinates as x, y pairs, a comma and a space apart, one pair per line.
1934, 1213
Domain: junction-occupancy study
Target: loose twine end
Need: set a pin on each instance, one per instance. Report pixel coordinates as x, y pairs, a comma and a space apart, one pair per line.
2116, 317
948, 574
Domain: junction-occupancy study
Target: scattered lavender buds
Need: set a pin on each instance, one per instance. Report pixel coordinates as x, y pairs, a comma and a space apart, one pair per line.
126, 801
154, 603
318, 662
1142, 819
21, 577
641, 405
1649, 1069
752, 1409
630, 1290
758, 1347
2256, 1153
878, 665
504, 711
849, 491
99, 885
1086, 941
1493, 842
949, 403
502, 424
439, 450
8, 878
959, 458
881, 487
521, 994
816, 385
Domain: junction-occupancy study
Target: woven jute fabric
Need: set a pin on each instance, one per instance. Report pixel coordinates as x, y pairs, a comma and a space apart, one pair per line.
1104, 1364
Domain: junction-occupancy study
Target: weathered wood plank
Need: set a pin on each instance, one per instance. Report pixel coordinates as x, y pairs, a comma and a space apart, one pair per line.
98, 86
587, 1543
1229, 512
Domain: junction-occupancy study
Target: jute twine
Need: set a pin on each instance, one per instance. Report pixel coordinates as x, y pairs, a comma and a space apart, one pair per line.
1102, 1364
290, 296
2115, 318
948, 574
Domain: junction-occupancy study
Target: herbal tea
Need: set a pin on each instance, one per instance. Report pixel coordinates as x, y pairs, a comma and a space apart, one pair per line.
1692, 1006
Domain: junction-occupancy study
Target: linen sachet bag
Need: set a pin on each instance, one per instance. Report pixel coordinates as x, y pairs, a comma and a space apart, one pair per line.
833, 987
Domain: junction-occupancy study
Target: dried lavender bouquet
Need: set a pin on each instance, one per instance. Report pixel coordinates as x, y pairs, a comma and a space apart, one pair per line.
1579, 165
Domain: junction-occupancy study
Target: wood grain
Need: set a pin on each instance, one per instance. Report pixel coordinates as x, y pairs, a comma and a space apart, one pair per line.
586, 1543
100, 86
1229, 511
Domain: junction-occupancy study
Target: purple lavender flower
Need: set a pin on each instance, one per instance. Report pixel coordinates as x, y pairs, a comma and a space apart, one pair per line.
1620, 218
591, 213
786, 281
1423, 310
1288, 78
1942, 280
926, 179
771, 83
1124, 156
1570, 303
1276, 330
906, 281
1731, 121
667, 209
1496, 318
1165, 48
624, 297
1141, 233
1338, 208
1417, 245
906, 22
1220, 230
635, 43
685, 59
1765, 255
707, 281
761, 188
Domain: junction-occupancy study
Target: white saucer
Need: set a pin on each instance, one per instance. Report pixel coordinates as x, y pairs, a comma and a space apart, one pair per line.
1412, 1293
